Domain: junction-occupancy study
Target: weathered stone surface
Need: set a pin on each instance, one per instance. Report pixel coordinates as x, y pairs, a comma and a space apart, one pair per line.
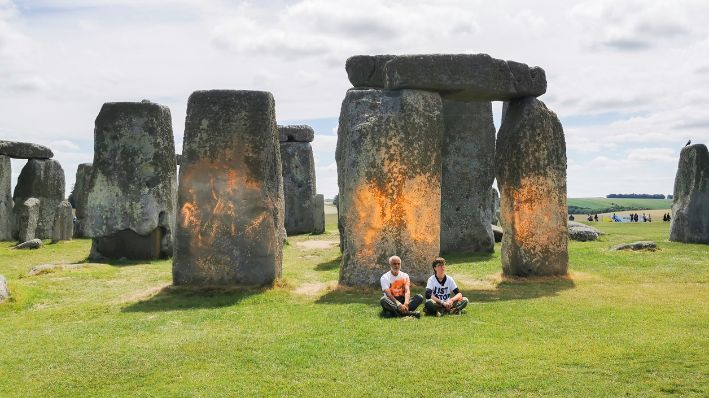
468, 155
389, 176
30, 244
230, 196
497, 232
296, 133
128, 244
133, 184
26, 216
63, 222
298, 186
465, 76
582, 234
690, 205
597, 231
4, 290
318, 212
640, 245
24, 150
367, 70
531, 176
81, 187
496, 206
44, 180
5, 198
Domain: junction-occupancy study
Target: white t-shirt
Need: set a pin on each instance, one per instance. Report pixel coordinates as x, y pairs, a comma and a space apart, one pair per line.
396, 284
443, 291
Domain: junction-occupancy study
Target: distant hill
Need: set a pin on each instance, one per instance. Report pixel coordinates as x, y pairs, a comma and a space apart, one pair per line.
609, 205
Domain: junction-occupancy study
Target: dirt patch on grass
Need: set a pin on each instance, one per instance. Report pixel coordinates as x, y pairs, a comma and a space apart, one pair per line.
316, 244
315, 289
143, 294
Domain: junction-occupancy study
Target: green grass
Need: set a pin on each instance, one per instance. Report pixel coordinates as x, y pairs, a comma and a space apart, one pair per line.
605, 205
624, 323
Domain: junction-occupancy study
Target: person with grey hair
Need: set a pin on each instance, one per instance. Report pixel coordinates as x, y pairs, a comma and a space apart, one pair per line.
396, 286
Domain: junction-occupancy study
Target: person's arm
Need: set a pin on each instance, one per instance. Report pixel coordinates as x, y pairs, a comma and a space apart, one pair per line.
407, 295
387, 291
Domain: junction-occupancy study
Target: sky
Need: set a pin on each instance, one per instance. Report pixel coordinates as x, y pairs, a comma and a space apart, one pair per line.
629, 80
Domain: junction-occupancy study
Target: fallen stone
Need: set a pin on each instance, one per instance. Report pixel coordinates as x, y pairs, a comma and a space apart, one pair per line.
582, 234
465, 77
389, 176
30, 244
230, 197
81, 187
296, 133
63, 222
49, 268
26, 216
24, 150
133, 184
640, 245
468, 155
318, 214
367, 70
4, 290
531, 176
497, 232
298, 183
570, 224
690, 203
44, 180
5, 198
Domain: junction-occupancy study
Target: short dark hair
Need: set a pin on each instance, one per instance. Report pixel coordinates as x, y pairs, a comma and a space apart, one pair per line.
438, 261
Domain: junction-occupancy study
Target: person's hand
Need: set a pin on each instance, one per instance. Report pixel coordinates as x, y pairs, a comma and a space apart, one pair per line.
448, 304
404, 307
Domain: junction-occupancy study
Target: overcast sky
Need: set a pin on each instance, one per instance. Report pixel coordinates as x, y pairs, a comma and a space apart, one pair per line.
628, 79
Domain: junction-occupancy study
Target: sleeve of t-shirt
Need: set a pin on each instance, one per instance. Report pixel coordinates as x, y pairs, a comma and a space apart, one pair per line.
453, 286
384, 282
429, 288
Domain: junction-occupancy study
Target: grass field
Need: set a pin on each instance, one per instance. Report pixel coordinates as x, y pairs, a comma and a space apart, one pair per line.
602, 205
623, 323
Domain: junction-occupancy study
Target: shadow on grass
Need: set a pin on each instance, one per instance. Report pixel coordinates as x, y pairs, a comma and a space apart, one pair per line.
174, 298
118, 262
329, 265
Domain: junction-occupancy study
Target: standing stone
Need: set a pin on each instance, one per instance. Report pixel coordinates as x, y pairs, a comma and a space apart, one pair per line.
44, 180
389, 176
690, 205
230, 196
26, 216
298, 178
495, 206
5, 198
130, 201
531, 176
81, 186
318, 212
468, 155
63, 222
24, 150
4, 291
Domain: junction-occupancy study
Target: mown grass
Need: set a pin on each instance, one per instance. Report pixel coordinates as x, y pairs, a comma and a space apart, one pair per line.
623, 323
601, 205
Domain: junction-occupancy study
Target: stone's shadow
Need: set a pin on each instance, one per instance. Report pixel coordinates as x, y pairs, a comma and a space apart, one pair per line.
176, 298
329, 265
115, 262
343, 295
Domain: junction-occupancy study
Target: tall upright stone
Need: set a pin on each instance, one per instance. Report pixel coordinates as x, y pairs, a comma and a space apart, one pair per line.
63, 222
230, 200
5, 198
690, 203
389, 176
26, 217
318, 214
81, 186
130, 201
531, 175
298, 177
495, 206
42, 179
468, 155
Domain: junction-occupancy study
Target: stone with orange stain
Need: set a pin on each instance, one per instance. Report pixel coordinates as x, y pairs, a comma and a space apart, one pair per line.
389, 177
230, 197
531, 176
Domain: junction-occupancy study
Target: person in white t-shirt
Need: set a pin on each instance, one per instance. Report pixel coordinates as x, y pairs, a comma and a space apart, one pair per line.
396, 286
442, 294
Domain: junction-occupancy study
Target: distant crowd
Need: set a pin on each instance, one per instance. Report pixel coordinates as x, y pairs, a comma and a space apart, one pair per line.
633, 217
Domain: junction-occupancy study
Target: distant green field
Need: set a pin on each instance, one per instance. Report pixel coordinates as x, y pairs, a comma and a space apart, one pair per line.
607, 205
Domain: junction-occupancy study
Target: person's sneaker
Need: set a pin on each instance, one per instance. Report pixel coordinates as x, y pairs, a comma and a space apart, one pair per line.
414, 314
438, 314
454, 311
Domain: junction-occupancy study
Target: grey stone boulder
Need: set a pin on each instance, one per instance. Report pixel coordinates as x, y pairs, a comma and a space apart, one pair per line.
465, 76
640, 245
318, 214
63, 222
4, 290
389, 177
582, 234
49, 268
296, 133
44, 180
531, 175
690, 203
24, 150
230, 200
133, 185
298, 183
30, 244
81, 186
26, 215
467, 157
5, 198
367, 70
497, 232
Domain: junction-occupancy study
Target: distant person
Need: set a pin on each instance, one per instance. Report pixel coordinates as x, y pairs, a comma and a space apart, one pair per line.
649, 218
664, 217
396, 286
571, 217
442, 294
644, 218
636, 217
590, 218
669, 218
595, 217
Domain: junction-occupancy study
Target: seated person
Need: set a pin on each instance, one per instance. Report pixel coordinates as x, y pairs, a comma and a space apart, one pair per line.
439, 289
397, 298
